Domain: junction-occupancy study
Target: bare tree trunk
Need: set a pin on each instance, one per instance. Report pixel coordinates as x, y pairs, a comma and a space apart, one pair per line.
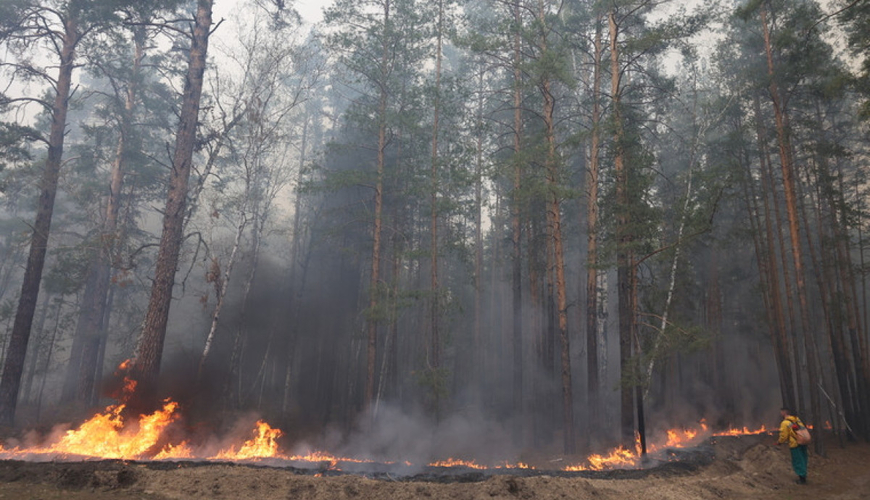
864, 309
146, 366
32, 361
778, 326
48, 355
82, 371
435, 347
850, 301
17, 348
830, 298
554, 223
516, 226
477, 343
624, 255
238, 340
221, 284
592, 379
374, 284
678, 245
788, 180
294, 256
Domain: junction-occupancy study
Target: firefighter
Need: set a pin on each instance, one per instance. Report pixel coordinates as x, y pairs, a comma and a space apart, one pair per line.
799, 454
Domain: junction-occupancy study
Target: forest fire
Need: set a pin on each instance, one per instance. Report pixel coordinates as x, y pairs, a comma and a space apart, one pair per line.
108, 435
112, 434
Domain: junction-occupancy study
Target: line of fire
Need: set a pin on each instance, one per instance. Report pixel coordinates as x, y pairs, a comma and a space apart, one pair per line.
509, 236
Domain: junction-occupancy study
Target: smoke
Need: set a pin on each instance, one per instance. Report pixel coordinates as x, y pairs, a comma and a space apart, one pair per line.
394, 435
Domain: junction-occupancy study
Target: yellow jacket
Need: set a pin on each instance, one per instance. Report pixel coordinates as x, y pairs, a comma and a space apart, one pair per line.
786, 434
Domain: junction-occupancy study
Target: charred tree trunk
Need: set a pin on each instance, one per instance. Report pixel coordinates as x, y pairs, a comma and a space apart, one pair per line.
17, 348
146, 366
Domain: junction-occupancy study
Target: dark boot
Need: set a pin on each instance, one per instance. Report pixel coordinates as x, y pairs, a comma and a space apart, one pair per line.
801, 480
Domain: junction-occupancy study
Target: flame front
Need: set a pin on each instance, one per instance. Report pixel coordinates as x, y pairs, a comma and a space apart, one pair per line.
617, 459
264, 444
741, 432
108, 436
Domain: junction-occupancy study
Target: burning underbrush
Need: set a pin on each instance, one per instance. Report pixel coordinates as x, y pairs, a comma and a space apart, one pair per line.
160, 436
154, 438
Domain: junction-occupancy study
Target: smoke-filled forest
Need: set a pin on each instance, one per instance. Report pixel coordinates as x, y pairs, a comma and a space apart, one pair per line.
417, 227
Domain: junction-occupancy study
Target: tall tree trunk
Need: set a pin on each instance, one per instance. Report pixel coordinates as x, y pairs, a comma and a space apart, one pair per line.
435, 344
476, 357
235, 370
374, 284
48, 355
292, 285
778, 326
788, 179
850, 294
221, 284
516, 225
34, 354
82, 370
146, 366
624, 254
554, 223
17, 348
592, 379
827, 284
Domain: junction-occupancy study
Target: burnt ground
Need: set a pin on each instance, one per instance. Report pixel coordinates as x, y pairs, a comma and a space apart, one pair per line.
749, 467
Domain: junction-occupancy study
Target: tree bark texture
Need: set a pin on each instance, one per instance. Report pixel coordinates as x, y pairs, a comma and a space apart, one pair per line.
624, 257
433, 223
18, 340
592, 379
374, 299
146, 366
516, 225
82, 371
788, 180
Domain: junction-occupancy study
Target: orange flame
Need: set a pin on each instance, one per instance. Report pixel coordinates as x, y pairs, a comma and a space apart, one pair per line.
455, 462
107, 436
741, 432
618, 458
264, 444
471, 464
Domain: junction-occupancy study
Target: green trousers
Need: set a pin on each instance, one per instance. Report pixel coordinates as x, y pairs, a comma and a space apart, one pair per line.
799, 458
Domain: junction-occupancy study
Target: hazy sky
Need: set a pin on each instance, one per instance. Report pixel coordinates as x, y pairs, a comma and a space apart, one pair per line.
309, 9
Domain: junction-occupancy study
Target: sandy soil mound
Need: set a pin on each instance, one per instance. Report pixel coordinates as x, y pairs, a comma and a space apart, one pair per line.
741, 468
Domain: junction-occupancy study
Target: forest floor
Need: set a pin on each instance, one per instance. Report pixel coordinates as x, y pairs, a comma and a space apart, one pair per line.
750, 467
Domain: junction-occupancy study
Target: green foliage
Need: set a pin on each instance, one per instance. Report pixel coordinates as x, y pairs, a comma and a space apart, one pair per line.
66, 275
15, 141
435, 382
